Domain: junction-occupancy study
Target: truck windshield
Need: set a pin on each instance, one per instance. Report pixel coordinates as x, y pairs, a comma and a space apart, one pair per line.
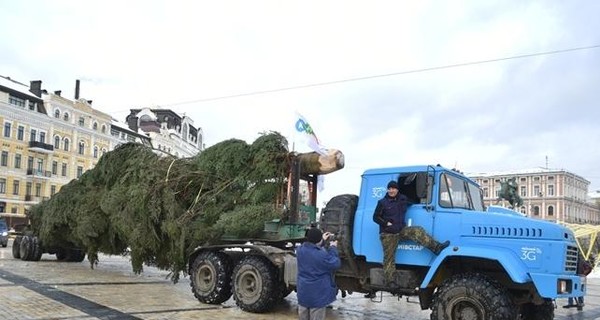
459, 193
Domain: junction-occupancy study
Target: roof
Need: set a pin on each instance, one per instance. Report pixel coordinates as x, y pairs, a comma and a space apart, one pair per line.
538, 170
13, 85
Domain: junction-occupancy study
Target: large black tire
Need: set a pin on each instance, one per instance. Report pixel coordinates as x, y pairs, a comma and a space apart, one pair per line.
36, 249
25, 248
16, 247
255, 284
61, 254
211, 277
472, 296
74, 255
338, 217
544, 311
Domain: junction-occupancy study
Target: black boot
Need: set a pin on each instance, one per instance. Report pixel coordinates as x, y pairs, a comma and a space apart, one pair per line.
441, 246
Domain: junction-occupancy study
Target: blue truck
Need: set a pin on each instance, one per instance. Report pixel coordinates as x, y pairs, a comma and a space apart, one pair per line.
500, 265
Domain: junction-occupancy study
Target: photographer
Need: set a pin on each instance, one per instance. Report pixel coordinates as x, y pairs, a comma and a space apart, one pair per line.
316, 267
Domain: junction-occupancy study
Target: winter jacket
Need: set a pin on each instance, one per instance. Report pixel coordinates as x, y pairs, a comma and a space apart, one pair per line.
315, 284
391, 210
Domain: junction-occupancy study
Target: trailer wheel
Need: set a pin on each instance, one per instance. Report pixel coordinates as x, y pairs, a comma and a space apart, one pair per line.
25, 248
75, 255
211, 277
36, 249
472, 296
16, 247
255, 284
337, 217
544, 311
61, 254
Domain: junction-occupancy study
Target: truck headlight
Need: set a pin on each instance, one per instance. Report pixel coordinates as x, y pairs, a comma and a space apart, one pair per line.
563, 286
4, 234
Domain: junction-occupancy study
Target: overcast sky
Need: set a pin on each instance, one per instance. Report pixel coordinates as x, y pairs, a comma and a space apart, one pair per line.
504, 115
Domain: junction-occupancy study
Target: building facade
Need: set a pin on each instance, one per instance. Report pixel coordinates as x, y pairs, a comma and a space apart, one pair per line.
169, 132
549, 194
47, 140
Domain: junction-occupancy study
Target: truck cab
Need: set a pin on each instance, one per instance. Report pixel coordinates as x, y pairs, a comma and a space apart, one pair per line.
506, 260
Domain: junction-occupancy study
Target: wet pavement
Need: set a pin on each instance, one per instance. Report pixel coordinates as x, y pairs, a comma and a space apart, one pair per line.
49, 289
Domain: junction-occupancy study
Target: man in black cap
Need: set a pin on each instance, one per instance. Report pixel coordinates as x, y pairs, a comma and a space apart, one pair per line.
389, 215
316, 266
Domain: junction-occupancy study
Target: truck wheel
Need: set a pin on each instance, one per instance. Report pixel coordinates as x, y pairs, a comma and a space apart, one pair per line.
211, 277
337, 218
472, 296
36, 249
16, 247
283, 291
255, 284
25, 248
544, 311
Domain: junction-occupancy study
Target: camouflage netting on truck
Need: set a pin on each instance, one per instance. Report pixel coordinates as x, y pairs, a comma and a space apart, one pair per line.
161, 208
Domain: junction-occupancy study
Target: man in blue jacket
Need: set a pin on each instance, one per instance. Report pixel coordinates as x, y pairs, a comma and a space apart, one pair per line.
316, 266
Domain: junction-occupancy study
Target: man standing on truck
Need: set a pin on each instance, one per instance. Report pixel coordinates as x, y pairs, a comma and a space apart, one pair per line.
389, 215
316, 266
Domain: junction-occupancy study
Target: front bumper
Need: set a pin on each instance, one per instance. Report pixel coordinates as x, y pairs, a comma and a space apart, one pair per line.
554, 286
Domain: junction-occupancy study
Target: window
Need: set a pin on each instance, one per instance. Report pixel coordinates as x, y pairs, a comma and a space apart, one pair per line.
550, 190
52, 190
523, 191
14, 210
66, 116
486, 193
42, 137
28, 188
38, 189
7, 127
64, 170
54, 167
536, 191
4, 159
536, 210
95, 126
29, 163
56, 142
21, 133
95, 152
79, 171
16, 101
57, 114
81, 121
550, 210
32, 105
103, 129
66, 144
81, 147
33, 135
17, 161
16, 187
40, 165
3, 186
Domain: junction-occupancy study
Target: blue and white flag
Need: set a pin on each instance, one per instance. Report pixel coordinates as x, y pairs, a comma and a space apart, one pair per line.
307, 133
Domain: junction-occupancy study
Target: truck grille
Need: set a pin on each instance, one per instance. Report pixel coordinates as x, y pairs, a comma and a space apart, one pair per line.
571, 259
515, 232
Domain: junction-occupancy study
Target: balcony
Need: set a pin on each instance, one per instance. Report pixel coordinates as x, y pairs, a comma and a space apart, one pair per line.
29, 197
41, 147
39, 173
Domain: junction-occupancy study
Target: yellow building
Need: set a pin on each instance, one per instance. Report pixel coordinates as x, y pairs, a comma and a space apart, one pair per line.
46, 141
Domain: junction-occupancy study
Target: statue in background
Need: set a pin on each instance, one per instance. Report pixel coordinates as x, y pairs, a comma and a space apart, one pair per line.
509, 192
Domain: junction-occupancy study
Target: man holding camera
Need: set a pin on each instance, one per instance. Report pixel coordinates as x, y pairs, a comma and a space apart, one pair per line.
316, 281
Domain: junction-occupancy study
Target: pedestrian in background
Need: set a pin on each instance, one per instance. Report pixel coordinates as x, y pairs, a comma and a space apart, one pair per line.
317, 263
584, 268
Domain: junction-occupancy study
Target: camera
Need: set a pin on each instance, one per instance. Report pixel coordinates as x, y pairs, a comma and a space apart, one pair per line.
332, 237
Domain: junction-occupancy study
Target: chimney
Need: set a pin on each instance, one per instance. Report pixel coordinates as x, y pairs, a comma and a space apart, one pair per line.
90, 102
36, 87
132, 121
77, 89
57, 92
